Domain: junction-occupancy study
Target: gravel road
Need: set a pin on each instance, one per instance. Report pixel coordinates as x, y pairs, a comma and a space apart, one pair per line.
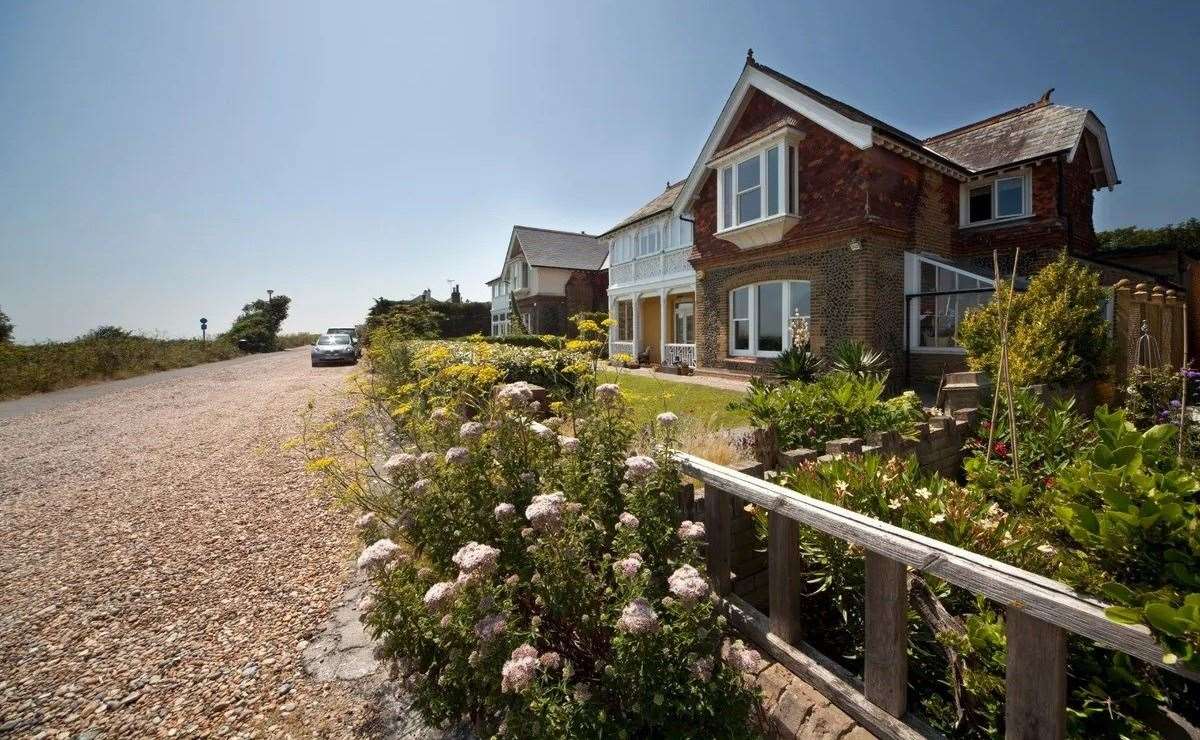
163, 563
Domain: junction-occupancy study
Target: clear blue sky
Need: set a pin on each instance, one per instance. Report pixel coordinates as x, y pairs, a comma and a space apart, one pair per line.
160, 161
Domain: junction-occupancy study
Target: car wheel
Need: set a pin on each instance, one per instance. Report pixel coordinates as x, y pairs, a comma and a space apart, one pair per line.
314, 363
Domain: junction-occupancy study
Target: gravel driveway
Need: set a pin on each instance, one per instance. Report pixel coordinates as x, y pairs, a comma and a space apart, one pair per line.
163, 563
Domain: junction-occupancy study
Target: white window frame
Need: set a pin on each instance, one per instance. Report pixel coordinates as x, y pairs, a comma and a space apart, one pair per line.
964, 197
786, 201
912, 284
676, 316
786, 301
620, 311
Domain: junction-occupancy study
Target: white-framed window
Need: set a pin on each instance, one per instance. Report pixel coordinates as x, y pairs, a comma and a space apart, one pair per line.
624, 321
1000, 198
759, 316
756, 187
685, 322
934, 319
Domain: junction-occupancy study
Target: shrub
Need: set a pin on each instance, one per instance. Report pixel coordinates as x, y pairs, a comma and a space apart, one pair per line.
798, 363
256, 329
1153, 396
837, 405
1056, 332
296, 339
534, 584
6, 328
855, 357
544, 341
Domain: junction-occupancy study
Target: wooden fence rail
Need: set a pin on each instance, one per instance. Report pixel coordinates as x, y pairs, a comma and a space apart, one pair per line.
1039, 611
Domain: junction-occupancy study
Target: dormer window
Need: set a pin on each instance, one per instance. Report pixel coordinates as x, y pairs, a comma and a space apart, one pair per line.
756, 189
1000, 198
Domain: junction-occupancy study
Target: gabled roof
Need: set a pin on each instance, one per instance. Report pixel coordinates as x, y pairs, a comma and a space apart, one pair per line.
567, 250
660, 203
1022, 134
1019, 135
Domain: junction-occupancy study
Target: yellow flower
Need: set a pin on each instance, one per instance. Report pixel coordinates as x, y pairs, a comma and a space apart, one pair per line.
319, 464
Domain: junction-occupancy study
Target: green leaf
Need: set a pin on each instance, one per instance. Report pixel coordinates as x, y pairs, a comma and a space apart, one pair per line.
1119, 593
1123, 615
1162, 618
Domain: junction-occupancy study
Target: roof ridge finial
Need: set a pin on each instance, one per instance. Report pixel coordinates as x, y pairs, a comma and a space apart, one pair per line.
1045, 99
749, 56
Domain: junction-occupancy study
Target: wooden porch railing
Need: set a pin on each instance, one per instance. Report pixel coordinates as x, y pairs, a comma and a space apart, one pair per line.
1039, 611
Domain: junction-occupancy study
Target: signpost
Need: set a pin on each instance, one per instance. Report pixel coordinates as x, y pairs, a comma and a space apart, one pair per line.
204, 329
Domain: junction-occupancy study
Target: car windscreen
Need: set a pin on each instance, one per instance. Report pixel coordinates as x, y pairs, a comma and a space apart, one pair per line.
335, 339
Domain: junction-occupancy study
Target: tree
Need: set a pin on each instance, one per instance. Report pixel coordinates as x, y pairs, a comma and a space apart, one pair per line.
1185, 235
515, 325
6, 328
259, 324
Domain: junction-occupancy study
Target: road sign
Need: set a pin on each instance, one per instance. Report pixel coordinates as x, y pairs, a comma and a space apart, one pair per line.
204, 329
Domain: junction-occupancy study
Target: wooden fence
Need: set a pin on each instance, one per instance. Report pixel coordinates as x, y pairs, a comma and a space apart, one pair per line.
1039, 611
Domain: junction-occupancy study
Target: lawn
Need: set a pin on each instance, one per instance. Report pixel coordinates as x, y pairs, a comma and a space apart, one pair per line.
700, 403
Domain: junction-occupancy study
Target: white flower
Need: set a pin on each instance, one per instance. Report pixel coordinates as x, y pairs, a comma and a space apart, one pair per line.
688, 584
475, 558
545, 512
470, 430
667, 419
638, 618
440, 595
504, 511
894, 504
1047, 549
923, 493
640, 467
378, 553
937, 518
690, 530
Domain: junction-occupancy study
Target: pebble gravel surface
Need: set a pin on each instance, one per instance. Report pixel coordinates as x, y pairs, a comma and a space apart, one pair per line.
164, 564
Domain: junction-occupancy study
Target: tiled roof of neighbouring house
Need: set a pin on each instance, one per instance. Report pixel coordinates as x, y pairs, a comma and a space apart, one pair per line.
568, 250
661, 202
1018, 135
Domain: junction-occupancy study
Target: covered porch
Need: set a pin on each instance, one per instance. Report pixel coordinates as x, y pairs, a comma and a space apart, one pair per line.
656, 327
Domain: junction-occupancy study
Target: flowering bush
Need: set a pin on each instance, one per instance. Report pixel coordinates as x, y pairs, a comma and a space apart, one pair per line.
529, 574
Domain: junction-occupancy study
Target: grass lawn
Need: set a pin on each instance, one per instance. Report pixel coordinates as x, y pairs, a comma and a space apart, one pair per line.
699, 403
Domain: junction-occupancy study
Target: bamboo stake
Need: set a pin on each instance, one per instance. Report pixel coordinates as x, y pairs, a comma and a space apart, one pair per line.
999, 367
1012, 413
1183, 379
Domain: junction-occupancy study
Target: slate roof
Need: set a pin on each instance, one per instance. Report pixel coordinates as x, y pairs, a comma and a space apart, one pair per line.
1018, 135
661, 202
568, 250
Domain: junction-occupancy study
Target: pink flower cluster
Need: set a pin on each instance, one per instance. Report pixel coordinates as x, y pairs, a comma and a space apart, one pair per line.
608, 391
470, 430
545, 512
504, 511
517, 395
365, 520
542, 431
490, 627
398, 463
440, 415
628, 521
702, 668
421, 485
517, 673
738, 656
426, 459
568, 444
688, 584
638, 618
551, 661
639, 467
689, 530
457, 455
476, 559
628, 566
440, 595
667, 419
378, 554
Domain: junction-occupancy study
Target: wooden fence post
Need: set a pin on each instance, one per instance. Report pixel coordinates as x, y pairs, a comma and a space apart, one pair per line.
718, 526
687, 501
783, 576
1035, 678
885, 673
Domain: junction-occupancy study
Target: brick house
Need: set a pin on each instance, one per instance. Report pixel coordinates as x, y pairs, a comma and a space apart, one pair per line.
804, 206
549, 275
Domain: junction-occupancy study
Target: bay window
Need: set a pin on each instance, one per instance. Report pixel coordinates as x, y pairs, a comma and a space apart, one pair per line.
760, 316
757, 184
997, 199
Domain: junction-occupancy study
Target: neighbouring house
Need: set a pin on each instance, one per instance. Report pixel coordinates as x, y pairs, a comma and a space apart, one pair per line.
547, 277
803, 206
651, 284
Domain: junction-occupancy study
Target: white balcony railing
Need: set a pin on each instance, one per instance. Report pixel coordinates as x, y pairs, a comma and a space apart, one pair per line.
679, 354
650, 268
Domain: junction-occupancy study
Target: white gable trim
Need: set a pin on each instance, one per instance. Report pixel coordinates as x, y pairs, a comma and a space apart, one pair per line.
1092, 123
858, 134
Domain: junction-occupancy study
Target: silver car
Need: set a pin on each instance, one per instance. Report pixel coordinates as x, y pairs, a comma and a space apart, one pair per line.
334, 349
